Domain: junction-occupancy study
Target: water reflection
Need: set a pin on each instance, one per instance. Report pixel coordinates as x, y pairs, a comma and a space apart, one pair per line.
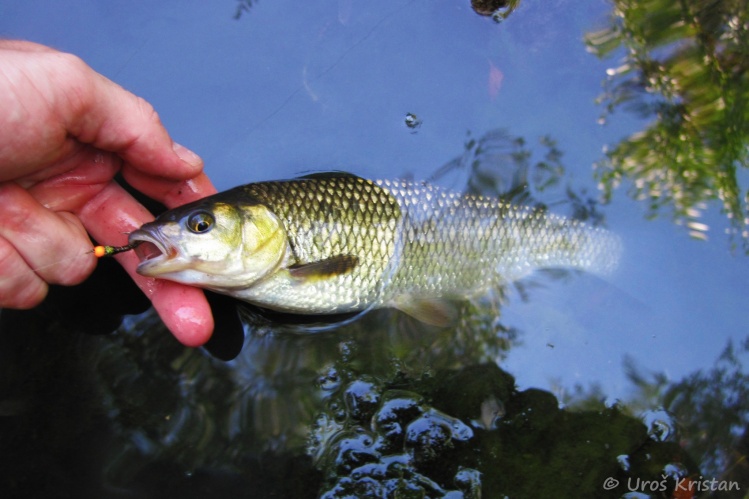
711, 407
243, 7
426, 430
684, 68
498, 10
379, 405
134, 414
383, 404
706, 412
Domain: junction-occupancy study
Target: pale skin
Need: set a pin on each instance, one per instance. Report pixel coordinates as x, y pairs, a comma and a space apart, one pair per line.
66, 132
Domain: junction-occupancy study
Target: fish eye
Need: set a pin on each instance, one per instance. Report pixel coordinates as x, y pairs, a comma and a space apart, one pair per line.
200, 222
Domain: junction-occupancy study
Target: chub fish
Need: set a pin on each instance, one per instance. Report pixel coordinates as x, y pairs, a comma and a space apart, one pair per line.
337, 243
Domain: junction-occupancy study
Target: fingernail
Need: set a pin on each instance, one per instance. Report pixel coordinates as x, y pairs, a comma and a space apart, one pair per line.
187, 155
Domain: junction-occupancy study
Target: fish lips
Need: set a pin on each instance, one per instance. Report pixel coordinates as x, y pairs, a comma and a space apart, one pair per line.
157, 256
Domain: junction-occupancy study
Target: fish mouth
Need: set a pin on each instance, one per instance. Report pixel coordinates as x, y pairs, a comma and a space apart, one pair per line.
154, 253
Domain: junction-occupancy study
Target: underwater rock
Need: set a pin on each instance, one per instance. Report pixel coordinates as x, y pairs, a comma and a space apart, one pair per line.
394, 451
469, 433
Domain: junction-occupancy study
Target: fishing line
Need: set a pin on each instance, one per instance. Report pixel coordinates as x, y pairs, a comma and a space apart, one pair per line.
62, 260
306, 82
98, 251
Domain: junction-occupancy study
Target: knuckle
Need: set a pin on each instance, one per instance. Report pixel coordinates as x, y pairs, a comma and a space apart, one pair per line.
148, 119
9, 258
71, 62
72, 272
20, 287
16, 218
30, 295
77, 261
148, 112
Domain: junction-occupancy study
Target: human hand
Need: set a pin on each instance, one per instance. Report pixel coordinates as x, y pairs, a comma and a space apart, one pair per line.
67, 131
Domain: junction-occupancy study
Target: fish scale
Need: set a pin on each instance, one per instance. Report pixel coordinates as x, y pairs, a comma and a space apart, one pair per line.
352, 243
457, 244
328, 217
437, 243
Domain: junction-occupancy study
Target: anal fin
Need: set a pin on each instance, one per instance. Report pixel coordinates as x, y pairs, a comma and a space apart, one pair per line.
438, 312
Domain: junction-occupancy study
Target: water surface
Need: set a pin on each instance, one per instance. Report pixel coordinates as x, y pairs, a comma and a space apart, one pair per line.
546, 387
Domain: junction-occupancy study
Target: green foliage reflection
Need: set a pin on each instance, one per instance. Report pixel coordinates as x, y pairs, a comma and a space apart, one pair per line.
684, 65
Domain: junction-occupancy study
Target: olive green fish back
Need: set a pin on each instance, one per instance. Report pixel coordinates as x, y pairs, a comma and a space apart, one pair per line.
337, 216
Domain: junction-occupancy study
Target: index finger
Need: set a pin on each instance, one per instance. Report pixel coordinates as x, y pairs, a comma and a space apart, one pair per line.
168, 192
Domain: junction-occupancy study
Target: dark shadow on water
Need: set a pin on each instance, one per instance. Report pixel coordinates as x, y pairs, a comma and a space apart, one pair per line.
136, 415
227, 340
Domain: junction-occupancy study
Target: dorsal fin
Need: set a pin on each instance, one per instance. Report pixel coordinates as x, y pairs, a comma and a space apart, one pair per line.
329, 174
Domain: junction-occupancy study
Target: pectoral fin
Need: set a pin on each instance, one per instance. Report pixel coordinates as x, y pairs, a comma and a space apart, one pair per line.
323, 269
433, 311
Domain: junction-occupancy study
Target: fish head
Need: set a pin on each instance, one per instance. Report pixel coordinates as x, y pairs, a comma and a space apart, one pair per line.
212, 244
